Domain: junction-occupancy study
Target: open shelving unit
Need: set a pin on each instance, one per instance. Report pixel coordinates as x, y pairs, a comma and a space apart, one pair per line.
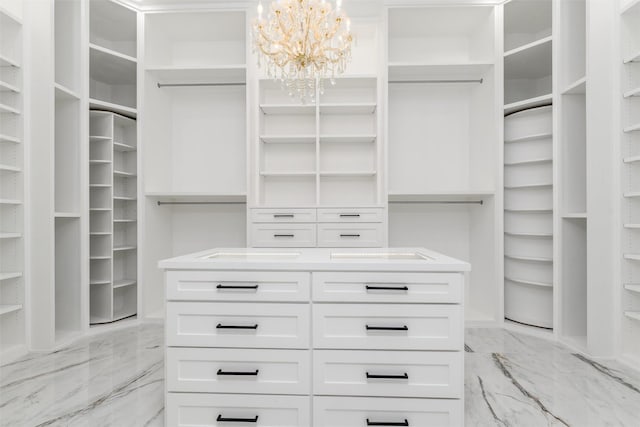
194, 166
12, 192
630, 178
113, 217
443, 142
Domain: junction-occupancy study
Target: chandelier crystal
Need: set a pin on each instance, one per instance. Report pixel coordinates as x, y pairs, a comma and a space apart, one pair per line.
302, 43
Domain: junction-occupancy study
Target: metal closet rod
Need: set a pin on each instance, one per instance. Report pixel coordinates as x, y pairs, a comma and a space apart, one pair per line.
438, 202
201, 203
161, 85
439, 81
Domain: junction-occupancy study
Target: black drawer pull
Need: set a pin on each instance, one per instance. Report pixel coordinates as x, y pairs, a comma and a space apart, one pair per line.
404, 423
387, 288
387, 328
349, 235
238, 373
404, 376
237, 287
349, 215
222, 419
284, 235
283, 215
221, 326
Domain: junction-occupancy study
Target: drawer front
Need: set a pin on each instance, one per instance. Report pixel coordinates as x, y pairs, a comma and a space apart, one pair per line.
245, 325
388, 327
388, 287
350, 215
350, 235
237, 286
283, 235
283, 215
375, 411
388, 373
197, 409
210, 370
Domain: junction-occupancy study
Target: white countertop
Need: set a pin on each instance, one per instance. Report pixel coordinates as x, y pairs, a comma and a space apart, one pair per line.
317, 259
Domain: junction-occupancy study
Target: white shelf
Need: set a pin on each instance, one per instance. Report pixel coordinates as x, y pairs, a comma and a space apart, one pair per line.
288, 109
632, 226
348, 174
635, 57
635, 315
577, 215
67, 215
531, 235
527, 186
197, 197
124, 174
123, 221
4, 236
529, 282
529, 259
124, 248
7, 138
632, 159
100, 185
10, 202
99, 162
632, 257
632, 195
118, 146
530, 162
7, 109
100, 282
98, 258
632, 93
96, 104
100, 233
288, 139
65, 93
462, 196
200, 74
632, 287
348, 138
7, 168
96, 138
6, 87
356, 108
632, 128
408, 71
579, 87
123, 283
9, 276
100, 209
545, 41
124, 198
632, 7
6, 309
287, 174
102, 54
537, 101
8, 62
527, 138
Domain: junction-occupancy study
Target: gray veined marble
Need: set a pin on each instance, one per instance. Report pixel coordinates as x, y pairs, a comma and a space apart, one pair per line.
116, 379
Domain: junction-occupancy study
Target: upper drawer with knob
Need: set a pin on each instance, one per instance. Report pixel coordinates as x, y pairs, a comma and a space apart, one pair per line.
440, 288
283, 215
256, 286
351, 215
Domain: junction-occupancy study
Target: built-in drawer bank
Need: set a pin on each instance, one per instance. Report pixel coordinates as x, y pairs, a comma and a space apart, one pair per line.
250, 286
283, 215
388, 287
350, 235
377, 411
388, 374
390, 326
244, 325
350, 215
202, 409
210, 370
286, 235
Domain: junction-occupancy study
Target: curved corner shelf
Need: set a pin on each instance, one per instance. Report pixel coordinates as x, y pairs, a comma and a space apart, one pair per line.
530, 162
529, 282
529, 259
530, 235
529, 138
632, 287
538, 101
527, 186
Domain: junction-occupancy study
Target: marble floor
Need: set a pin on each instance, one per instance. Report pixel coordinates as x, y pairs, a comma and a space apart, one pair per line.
116, 379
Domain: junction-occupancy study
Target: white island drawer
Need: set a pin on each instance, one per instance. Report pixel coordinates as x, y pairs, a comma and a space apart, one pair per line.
210, 370
350, 235
376, 411
388, 373
390, 326
283, 235
350, 215
206, 324
388, 287
283, 215
197, 409
237, 286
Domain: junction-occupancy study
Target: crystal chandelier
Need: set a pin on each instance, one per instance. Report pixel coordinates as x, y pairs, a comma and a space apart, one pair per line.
302, 43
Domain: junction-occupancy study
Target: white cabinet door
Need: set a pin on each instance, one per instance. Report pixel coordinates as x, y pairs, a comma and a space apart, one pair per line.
350, 215
245, 325
237, 286
388, 287
377, 411
388, 373
198, 409
388, 326
283, 235
211, 370
283, 215
350, 235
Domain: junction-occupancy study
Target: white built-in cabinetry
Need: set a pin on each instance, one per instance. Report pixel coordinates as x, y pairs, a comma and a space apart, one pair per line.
13, 318
443, 127
630, 180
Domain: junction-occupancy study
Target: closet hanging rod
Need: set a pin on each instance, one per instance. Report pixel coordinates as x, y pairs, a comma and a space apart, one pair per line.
438, 202
161, 85
200, 203
480, 81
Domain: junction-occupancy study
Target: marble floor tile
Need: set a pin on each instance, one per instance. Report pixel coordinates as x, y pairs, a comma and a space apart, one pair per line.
511, 379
